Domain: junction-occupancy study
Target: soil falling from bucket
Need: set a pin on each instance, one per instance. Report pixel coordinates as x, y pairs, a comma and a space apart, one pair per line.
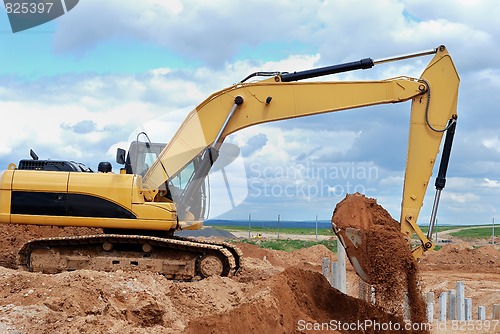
384, 255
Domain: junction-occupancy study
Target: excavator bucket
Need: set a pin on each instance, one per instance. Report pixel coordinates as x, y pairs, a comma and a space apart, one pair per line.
354, 242
368, 233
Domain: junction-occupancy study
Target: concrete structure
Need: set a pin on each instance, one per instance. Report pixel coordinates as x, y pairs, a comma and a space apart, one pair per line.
481, 313
430, 297
430, 312
341, 269
443, 297
460, 301
325, 269
430, 306
496, 311
452, 305
335, 272
373, 296
366, 292
468, 309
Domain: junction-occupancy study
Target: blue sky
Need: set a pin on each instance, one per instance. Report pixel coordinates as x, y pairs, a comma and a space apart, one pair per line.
77, 87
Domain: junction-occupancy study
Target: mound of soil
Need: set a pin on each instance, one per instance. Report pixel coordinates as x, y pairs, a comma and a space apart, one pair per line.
384, 254
463, 257
261, 264
117, 302
270, 294
12, 237
295, 300
309, 257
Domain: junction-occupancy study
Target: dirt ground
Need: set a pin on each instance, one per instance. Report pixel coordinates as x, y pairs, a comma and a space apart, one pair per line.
275, 292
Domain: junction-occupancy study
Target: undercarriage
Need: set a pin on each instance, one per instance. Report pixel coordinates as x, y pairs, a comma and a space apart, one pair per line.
174, 257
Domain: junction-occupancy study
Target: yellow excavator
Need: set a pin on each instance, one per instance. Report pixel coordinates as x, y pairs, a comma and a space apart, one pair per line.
162, 188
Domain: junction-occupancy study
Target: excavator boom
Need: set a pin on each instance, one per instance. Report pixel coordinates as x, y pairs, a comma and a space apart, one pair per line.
434, 101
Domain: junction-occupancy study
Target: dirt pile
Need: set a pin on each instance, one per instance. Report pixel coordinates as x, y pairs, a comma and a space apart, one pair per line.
284, 301
12, 237
292, 302
384, 254
275, 292
88, 301
309, 258
464, 257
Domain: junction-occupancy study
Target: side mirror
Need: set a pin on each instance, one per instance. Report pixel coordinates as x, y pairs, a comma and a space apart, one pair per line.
120, 156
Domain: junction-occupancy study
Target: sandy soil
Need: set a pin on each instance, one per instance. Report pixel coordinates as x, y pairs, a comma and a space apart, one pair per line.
275, 292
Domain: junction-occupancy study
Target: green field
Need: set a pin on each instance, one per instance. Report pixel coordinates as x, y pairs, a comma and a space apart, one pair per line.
309, 231
274, 230
480, 232
291, 245
440, 228
469, 232
476, 233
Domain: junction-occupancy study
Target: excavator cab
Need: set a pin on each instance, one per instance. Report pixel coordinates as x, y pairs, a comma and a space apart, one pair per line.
140, 156
187, 188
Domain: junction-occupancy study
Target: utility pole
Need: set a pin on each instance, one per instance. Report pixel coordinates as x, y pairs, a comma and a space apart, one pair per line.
278, 226
316, 227
493, 231
249, 220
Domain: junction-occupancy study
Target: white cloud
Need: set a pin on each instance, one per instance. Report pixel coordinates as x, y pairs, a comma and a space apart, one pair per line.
462, 198
392, 181
160, 71
491, 183
215, 32
194, 28
291, 146
492, 143
47, 112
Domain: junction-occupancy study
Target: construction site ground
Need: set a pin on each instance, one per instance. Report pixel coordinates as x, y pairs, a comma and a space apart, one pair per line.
275, 292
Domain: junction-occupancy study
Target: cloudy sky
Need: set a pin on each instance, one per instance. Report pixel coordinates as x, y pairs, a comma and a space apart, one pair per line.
78, 87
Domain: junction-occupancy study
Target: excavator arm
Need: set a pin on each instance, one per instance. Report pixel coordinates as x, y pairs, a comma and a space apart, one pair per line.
434, 103
432, 115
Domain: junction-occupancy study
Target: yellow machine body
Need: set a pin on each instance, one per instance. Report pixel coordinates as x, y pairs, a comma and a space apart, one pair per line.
104, 200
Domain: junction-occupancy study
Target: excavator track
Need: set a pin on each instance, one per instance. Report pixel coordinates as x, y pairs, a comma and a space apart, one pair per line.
176, 258
235, 251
